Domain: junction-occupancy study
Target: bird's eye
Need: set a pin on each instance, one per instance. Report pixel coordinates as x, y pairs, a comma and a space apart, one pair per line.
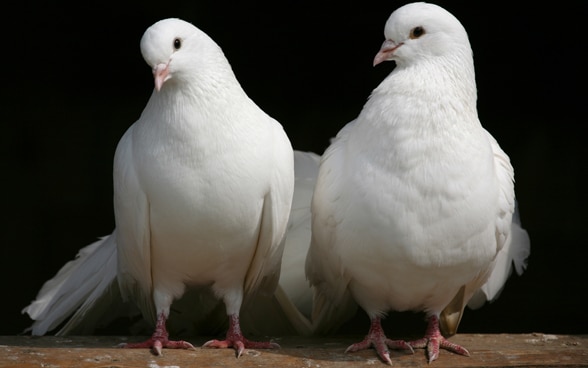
177, 43
417, 32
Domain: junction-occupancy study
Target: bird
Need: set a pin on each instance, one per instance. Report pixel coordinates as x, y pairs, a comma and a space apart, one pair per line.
84, 298
203, 186
414, 206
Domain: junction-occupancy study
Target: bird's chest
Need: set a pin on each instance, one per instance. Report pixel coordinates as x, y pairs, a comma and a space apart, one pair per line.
423, 203
428, 220
200, 186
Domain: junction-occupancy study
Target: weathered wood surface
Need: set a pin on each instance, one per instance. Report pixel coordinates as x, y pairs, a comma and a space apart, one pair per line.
488, 350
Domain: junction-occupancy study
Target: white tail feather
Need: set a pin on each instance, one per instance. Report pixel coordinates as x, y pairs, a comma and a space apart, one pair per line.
79, 283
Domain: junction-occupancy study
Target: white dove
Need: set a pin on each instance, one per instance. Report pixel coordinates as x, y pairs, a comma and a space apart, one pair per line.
203, 185
85, 292
414, 201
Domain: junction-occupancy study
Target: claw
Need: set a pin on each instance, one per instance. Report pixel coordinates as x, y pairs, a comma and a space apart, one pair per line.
157, 346
240, 348
386, 358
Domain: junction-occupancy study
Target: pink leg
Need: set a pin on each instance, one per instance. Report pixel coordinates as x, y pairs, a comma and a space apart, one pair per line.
379, 341
433, 341
159, 340
236, 340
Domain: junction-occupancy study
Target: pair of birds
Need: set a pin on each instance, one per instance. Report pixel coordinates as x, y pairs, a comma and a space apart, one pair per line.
413, 204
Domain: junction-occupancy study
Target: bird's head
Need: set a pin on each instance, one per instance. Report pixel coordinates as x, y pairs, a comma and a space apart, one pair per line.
176, 50
420, 31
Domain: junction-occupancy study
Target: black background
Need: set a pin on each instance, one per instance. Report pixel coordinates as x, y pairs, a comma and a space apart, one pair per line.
73, 80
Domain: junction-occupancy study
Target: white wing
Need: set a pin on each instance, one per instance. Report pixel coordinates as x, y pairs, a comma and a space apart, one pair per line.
514, 240
332, 301
512, 243
133, 234
264, 271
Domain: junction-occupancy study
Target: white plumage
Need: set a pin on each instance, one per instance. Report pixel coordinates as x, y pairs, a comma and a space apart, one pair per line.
85, 291
203, 184
414, 200
413, 207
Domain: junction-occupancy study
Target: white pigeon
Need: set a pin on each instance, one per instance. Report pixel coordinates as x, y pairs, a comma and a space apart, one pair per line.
85, 293
203, 185
414, 201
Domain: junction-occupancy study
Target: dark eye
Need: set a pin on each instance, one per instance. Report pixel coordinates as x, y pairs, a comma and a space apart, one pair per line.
416, 32
177, 43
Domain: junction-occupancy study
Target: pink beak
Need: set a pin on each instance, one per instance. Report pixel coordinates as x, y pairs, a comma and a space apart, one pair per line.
161, 75
386, 51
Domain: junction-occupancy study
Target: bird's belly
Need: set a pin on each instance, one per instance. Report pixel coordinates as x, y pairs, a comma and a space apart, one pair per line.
408, 248
410, 275
401, 287
204, 228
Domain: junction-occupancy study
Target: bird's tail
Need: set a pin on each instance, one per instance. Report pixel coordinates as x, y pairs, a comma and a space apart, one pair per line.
79, 288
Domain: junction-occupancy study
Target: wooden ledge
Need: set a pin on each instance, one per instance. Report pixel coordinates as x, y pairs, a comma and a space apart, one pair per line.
487, 350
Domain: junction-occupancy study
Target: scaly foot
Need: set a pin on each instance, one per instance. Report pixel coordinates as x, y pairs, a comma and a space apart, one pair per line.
380, 342
159, 340
236, 340
433, 341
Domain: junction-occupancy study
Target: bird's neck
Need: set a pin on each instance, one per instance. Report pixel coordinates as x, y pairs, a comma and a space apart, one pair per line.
432, 95
198, 118
418, 110
206, 96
